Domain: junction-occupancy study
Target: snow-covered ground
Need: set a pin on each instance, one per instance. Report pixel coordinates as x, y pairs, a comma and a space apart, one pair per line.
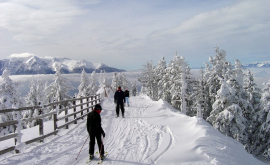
152, 133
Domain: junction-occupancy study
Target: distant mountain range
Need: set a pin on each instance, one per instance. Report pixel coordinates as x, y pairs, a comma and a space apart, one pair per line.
264, 64
47, 65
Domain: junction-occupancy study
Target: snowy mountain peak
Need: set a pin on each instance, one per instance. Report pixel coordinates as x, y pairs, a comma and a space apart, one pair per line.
31, 64
264, 64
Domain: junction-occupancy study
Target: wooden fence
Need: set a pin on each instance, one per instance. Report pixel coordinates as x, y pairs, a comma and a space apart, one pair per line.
80, 107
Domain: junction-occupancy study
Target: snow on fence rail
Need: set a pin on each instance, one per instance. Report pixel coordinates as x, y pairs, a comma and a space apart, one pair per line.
85, 103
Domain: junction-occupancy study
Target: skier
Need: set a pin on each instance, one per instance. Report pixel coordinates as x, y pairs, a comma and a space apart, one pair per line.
127, 97
95, 131
119, 99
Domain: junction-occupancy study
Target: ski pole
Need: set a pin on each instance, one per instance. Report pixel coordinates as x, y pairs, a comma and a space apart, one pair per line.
82, 147
101, 147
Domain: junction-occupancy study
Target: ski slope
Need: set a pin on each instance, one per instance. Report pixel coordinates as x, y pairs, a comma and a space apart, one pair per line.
152, 133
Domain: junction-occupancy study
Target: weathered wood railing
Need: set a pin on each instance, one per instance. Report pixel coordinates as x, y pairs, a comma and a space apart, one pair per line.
85, 103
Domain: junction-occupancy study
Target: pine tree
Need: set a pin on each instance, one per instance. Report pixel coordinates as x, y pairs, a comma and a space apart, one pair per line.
240, 95
125, 82
35, 96
103, 82
179, 83
115, 81
252, 90
83, 87
92, 87
41, 93
261, 137
148, 80
59, 88
9, 98
160, 71
134, 90
200, 95
31, 100
164, 85
219, 67
191, 83
226, 115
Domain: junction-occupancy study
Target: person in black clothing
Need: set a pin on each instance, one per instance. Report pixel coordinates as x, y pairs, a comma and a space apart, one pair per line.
95, 131
119, 98
127, 97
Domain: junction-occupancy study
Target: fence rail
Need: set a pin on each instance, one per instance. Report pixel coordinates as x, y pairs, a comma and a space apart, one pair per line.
80, 106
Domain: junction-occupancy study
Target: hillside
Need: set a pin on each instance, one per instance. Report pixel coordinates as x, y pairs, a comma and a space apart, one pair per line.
152, 133
39, 65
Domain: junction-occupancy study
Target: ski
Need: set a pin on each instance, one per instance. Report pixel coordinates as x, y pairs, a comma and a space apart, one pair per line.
100, 161
90, 160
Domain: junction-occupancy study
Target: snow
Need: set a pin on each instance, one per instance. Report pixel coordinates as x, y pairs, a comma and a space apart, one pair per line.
153, 132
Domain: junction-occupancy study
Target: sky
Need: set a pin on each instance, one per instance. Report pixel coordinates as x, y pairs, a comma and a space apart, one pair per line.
126, 34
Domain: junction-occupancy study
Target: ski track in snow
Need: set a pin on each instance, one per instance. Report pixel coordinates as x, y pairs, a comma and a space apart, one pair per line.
129, 140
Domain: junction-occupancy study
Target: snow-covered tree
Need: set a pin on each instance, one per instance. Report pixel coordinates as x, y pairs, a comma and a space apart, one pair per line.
9, 98
179, 85
261, 137
59, 88
83, 87
160, 71
164, 85
134, 90
252, 90
103, 82
227, 116
41, 93
191, 83
92, 87
148, 80
124, 81
31, 100
119, 79
201, 96
219, 67
115, 81
236, 77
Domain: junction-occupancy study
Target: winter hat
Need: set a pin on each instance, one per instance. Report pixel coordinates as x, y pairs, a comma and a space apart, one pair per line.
98, 107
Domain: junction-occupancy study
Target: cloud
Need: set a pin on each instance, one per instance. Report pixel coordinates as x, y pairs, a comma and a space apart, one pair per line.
244, 17
240, 29
21, 55
36, 20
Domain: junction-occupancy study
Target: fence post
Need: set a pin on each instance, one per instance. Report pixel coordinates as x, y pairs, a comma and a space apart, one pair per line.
19, 127
81, 101
99, 97
92, 103
41, 128
40, 111
74, 110
15, 127
66, 119
87, 104
54, 122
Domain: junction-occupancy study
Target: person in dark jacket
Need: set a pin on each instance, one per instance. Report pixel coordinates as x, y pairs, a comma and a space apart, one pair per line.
119, 98
95, 131
127, 97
